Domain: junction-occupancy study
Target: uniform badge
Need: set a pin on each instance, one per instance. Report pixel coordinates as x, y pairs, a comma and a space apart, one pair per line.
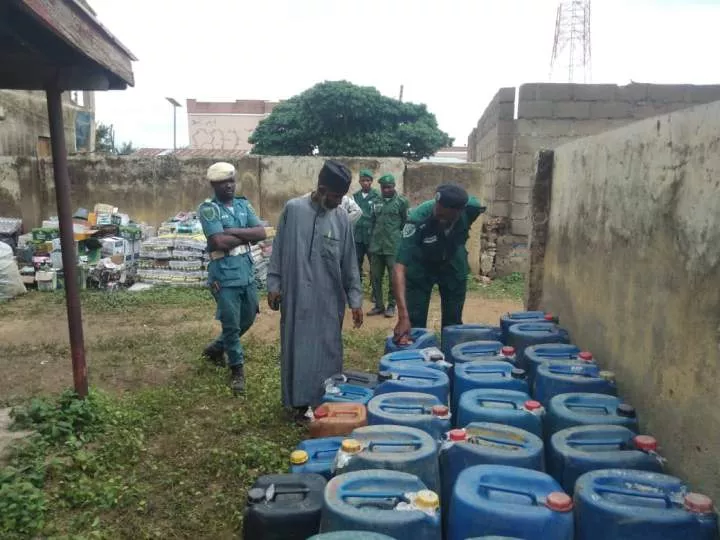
430, 239
408, 230
209, 212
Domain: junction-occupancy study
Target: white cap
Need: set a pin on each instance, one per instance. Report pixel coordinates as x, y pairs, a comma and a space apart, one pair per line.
220, 172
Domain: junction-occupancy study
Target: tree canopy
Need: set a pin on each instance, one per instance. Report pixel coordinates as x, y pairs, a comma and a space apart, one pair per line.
105, 141
338, 118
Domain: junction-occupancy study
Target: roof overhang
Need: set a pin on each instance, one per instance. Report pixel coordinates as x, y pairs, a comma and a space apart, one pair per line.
59, 43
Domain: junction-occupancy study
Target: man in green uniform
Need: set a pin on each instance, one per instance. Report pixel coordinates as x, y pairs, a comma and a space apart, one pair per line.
230, 225
364, 197
388, 218
432, 251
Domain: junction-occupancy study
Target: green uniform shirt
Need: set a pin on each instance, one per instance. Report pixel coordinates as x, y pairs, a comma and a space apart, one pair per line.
388, 218
363, 227
215, 217
427, 250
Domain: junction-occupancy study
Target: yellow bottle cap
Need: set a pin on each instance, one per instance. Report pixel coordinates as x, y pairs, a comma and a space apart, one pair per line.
608, 375
351, 446
298, 457
427, 500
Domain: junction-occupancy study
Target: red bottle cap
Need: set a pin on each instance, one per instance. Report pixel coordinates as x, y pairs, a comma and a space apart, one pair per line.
457, 435
532, 405
507, 351
698, 504
559, 502
439, 410
549, 317
321, 412
585, 356
645, 443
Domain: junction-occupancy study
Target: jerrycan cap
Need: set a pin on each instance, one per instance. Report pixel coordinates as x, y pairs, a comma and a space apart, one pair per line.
646, 443
350, 446
507, 351
517, 373
256, 495
609, 376
384, 376
585, 356
427, 500
559, 502
440, 410
457, 435
549, 317
532, 405
626, 410
298, 457
698, 503
321, 412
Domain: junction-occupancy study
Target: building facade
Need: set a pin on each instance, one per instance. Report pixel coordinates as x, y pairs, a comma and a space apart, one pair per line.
225, 126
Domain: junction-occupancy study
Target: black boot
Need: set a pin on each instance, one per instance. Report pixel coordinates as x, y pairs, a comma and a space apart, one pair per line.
214, 355
237, 379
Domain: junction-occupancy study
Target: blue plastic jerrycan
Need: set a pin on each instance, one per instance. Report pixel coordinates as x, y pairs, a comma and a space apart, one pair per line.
414, 379
523, 335
553, 352
394, 448
356, 378
554, 379
420, 338
422, 411
477, 350
346, 393
389, 502
574, 451
507, 320
620, 504
315, 456
508, 407
431, 358
485, 443
487, 374
456, 334
509, 501
582, 409
351, 535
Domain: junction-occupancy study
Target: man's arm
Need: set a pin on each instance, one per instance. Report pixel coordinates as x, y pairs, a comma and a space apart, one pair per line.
224, 242
251, 234
402, 328
274, 273
353, 210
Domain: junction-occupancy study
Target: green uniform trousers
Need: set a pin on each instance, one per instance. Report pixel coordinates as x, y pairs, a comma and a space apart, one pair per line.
362, 252
237, 308
452, 298
378, 264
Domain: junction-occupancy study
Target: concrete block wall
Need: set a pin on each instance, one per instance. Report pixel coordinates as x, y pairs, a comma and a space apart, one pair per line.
549, 115
631, 263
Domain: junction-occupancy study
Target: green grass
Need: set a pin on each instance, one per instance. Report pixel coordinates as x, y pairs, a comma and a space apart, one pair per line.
509, 287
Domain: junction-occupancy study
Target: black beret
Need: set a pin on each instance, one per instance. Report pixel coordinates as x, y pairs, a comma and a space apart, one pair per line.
335, 176
451, 196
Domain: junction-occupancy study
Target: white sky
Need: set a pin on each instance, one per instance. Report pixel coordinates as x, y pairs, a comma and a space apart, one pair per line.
452, 55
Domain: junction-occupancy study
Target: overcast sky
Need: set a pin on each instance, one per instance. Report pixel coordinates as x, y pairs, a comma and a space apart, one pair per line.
452, 55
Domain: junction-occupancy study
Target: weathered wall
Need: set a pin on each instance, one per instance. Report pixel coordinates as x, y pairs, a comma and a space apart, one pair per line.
421, 179
23, 119
632, 265
285, 177
549, 115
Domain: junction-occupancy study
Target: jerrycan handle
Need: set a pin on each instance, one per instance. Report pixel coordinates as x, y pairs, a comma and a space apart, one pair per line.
388, 406
492, 371
319, 453
505, 489
496, 440
550, 353
514, 405
287, 491
384, 495
537, 327
611, 490
621, 443
566, 369
586, 406
394, 444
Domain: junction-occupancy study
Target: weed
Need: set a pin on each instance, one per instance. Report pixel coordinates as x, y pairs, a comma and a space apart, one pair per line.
511, 287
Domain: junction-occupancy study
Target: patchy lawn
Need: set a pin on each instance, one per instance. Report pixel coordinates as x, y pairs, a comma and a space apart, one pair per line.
161, 449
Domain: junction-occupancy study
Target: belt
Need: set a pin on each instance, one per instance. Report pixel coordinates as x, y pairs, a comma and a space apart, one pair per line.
239, 250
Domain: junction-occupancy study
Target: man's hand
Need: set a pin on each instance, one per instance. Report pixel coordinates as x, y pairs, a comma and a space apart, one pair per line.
274, 300
357, 316
402, 328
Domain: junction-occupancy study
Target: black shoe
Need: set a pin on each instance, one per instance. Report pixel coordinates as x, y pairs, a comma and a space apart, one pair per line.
390, 312
237, 379
375, 311
214, 355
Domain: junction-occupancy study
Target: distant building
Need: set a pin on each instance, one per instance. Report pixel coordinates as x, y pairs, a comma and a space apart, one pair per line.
24, 127
453, 154
225, 126
188, 153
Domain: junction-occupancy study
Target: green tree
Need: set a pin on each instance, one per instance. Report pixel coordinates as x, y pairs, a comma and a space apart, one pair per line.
338, 118
105, 139
126, 149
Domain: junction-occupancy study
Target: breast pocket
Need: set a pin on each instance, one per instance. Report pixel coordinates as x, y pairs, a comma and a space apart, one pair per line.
331, 248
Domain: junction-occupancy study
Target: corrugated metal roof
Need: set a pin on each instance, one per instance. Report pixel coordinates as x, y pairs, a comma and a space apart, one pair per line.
189, 153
